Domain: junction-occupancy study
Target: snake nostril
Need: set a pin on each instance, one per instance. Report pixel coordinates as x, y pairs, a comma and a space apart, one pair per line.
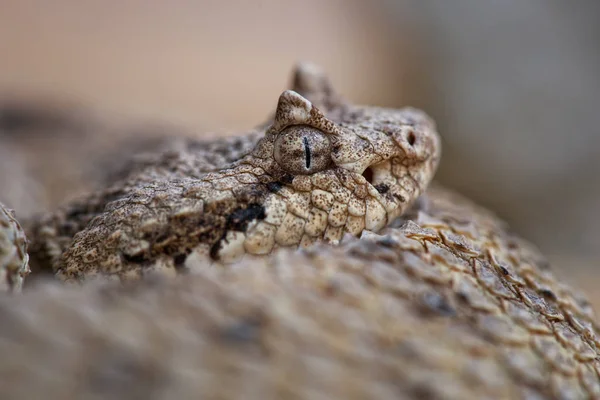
411, 138
368, 174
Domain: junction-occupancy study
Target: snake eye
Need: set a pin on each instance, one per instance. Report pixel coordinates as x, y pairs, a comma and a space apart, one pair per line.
302, 150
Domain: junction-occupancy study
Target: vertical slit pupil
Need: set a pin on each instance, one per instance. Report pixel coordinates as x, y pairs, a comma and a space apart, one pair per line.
306, 152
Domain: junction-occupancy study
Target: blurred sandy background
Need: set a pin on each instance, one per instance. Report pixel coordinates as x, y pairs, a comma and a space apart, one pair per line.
513, 85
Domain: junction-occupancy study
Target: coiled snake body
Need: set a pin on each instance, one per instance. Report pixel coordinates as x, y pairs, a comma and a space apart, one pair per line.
434, 299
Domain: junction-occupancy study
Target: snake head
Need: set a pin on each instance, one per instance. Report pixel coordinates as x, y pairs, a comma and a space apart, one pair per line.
321, 169
345, 168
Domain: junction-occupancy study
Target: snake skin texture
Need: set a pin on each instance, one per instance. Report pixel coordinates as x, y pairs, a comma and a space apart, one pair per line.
14, 260
443, 301
449, 305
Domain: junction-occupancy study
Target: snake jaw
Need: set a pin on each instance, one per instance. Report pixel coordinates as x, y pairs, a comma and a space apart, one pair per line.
394, 153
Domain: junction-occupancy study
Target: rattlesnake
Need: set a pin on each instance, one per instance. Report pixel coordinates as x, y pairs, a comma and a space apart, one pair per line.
436, 299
